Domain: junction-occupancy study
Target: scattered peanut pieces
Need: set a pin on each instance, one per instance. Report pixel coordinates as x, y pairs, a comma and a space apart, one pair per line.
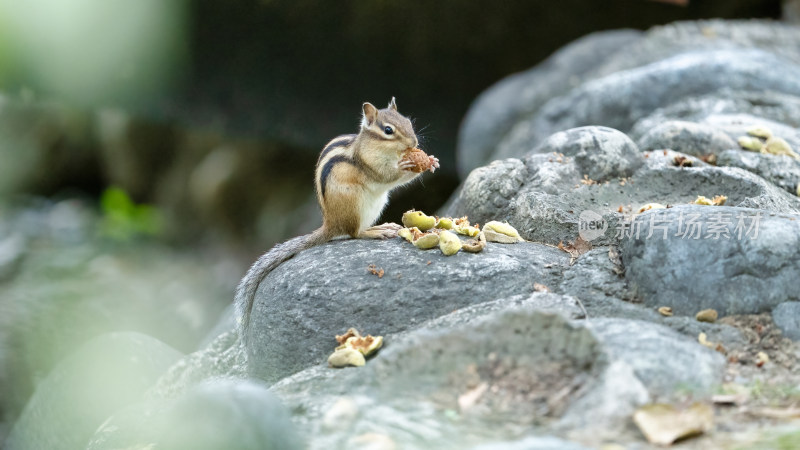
707, 315
354, 348
449, 243
760, 132
650, 206
538, 287
501, 232
344, 357
351, 332
761, 359
475, 245
665, 311
418, 219
718, 200
750, 143
779, 146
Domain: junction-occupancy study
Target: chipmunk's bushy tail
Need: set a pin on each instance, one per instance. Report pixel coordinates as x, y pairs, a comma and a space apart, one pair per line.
246, 291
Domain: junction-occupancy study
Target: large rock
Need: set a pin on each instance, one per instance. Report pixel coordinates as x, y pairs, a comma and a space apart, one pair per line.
519, 99
781, 170
734, 260
546, 196
321, 292
687, 137
106, 374
515, 367
787, 317
620, 99
498, 108
730, 111
600, 153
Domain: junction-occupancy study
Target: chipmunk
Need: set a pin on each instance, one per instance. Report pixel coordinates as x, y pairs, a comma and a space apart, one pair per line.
354, 175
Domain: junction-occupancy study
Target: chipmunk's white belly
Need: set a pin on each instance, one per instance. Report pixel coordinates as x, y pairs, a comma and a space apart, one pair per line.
371, 207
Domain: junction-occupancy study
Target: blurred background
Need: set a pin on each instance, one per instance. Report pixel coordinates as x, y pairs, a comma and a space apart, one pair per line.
150, 150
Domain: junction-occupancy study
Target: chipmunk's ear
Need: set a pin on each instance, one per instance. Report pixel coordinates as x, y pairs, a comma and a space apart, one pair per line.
370, 114
392, 104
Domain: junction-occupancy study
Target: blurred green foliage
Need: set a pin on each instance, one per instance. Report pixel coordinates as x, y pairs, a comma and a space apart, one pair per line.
124, 220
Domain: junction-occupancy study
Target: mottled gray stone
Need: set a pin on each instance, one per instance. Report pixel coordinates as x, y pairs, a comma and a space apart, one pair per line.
737, 124
420, 374
781, 170
787, 317
743, 273
498, 108
758, 107
106, 374
320, 293
620, 99
686, 137
544, 195
600, 153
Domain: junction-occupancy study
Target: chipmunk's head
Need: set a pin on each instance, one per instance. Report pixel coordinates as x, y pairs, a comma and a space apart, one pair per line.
392, 130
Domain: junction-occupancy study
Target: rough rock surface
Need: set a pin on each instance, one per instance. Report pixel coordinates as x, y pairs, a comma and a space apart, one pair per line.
602, 374
734, 260
687, 137
787, 318
545, 195
498, 108
299, 307
780, 170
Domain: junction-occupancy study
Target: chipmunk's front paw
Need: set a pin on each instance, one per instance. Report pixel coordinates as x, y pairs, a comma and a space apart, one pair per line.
434, 163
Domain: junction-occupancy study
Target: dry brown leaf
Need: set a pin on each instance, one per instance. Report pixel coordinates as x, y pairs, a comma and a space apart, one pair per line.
682, 161
664, 424
576, 248
375, 270
469, 398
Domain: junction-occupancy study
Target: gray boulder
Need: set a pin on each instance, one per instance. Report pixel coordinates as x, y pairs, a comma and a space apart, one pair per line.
506, 112
781, 170
687, 137
546, 197
620, 99
787, 318
734, 260
518, 96
749, 108
322, 292
600, 153
106, 374
514, 367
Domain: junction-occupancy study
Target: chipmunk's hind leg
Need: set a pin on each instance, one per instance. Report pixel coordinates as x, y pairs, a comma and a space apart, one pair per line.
384, 231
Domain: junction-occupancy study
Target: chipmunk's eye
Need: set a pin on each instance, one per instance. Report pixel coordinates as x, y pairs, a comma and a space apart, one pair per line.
388, 130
